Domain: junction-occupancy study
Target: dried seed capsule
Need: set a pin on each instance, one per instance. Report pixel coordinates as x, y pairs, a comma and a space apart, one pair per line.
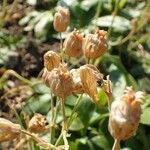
89, 75
73, 44
45, 76
60, 81
94, 45
77, 86
51, 60
8, 130
37, 123
61, 19
125, 115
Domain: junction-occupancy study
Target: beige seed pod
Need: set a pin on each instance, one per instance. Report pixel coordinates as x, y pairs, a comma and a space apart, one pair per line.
125, 115
60, 81
89, 75
77, 84
61, 19
8, 130
51, 60
73, 44
37, 123
94, 45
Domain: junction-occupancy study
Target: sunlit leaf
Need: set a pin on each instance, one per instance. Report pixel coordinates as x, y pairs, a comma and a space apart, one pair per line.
119, 23
101, 141
145, 119
40, 104
41, 88
76, 124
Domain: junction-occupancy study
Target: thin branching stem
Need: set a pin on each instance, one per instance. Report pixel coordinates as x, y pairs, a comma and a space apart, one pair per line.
70, 119
113, 18
12, 72
116, 144
61, 47
64, 126
39, 141
52, 116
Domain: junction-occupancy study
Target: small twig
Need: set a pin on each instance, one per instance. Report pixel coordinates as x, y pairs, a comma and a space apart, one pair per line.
52, 116
12, 72
64, 126
61, 47
74, 109
116, 144
64, 115
113, 18
64, 133
70, 119
38, 140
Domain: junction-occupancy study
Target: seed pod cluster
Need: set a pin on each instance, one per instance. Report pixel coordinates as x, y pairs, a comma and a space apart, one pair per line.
125, 115
59, 80
64, 82
92, 45
61, 19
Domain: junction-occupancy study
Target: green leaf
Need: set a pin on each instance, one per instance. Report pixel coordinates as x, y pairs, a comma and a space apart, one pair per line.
87, 4
102, 98
28, 17
76, 125
40, 88
85, 110
118, 80
117, 62
41, 27
101, 141
40, 104
120, 24
71, 100
4, 52
145, 117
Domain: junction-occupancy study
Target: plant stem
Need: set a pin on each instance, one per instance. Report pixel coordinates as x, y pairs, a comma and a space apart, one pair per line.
64, 126
12, 72
74, 109
4, 8
64, 115
59, 139
113, 18
116, 144
61, 47
64, 133
52, 116
70, 119
98, 9
40, 141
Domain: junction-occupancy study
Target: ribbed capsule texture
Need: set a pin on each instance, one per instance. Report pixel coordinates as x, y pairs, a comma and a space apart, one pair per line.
89, 75
95, 45
77, 84
125, 114
51, 60
37, 123
8, 130
61, 19
73, 44
85, 80
59, 80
